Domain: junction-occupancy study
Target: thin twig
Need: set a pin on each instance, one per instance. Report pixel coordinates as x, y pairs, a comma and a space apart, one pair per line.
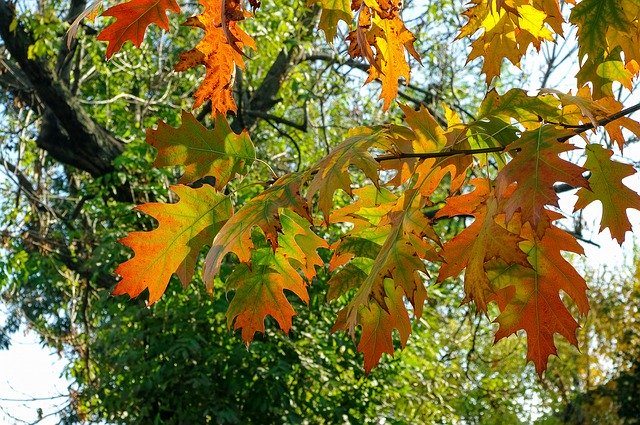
577, 130
426, 155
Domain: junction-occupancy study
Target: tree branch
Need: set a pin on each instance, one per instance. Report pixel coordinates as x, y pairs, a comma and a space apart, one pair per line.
577, 130
69, 133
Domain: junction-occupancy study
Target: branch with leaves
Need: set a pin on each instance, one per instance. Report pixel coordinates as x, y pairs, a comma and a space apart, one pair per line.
511, 253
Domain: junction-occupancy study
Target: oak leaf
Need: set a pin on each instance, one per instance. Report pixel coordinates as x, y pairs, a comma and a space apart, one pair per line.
382, 39
535, 168
379, 322
262, 211
387, 257
220, 51
477, 244
333, 11
529, 298
608, 37
299, 244
132, 20
259, 292
605, 185
219, 153
582, 109
173, 247
507, 32
332, 172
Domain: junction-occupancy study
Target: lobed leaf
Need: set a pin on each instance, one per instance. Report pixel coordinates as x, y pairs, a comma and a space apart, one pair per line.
332, 172
132, 19
173, 247
529, 298
508, 29
607, 31
220, 51
534, 170
219, 152
263, 211
259, 292
484, 240
605, 185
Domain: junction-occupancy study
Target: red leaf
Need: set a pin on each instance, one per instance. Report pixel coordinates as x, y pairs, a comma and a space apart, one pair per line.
482, 241
132, 20
536, 168
529, 299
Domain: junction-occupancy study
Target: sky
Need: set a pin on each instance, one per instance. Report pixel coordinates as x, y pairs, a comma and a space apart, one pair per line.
30, 379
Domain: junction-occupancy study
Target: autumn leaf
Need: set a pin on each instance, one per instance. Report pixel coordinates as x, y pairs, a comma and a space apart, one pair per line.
378, 324
482, 241
603, 71
529, 298
220, 152
299, 244
263, 211
390, 251
259, 292
605, 185
332, 172
220, 51
518, 105
132, 20
392, 39
582, 109
184, 228
507, 32
535, 168
382, 39
608, 36
604, 25
422, 136
333, 11
259, 281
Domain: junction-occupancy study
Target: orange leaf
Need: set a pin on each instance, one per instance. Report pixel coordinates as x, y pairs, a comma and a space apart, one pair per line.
482, 241
220, 51
384, 261
378, 324
132, 20
259, 293
529, 299
381, 28
299, 244
173, 247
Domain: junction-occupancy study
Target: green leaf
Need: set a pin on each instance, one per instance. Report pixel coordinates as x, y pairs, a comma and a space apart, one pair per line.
605, 185
263, 212
220, 152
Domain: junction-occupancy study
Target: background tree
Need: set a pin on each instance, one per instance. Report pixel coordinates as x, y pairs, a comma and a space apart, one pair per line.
75, 160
